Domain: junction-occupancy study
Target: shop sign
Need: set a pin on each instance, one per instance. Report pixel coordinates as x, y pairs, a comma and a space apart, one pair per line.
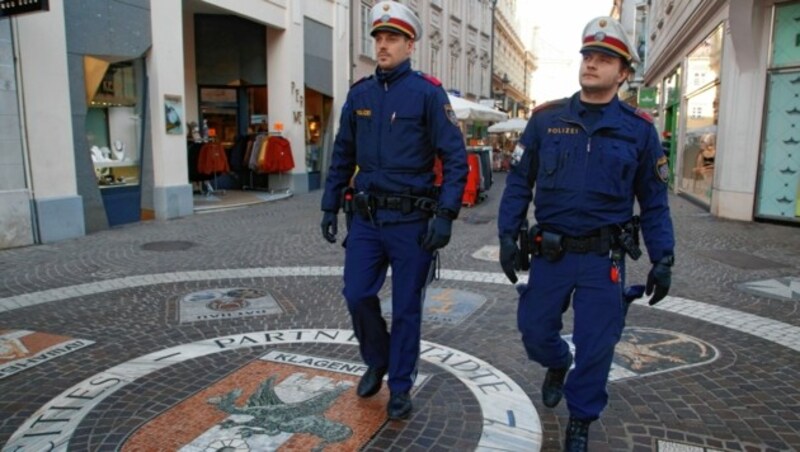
218, 95
13, 7
647, 98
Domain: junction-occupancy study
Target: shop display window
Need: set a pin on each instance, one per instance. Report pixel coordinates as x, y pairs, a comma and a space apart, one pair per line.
671, 97
699, 147
785, 38
318, 112
702, 81
778, 194
779, 175
112, 121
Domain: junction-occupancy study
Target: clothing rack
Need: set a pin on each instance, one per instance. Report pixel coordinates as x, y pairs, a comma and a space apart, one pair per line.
250, 171
204, 180
259, 148
212, 190
285, 190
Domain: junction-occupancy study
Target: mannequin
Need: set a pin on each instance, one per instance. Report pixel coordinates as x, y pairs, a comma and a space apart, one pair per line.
97, 156
704, 163
118, 150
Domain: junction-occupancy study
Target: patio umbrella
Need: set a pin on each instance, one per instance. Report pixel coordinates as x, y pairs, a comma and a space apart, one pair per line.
470, 111
512, 125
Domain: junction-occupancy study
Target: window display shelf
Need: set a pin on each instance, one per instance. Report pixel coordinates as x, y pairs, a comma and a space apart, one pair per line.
115, 164
117, 185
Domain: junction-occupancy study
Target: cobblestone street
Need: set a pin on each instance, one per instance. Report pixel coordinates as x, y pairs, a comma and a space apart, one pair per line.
130, 339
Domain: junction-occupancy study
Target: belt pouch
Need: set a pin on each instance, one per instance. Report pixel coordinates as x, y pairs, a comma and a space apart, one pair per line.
362, 204
552, 246
347, 200
535, 240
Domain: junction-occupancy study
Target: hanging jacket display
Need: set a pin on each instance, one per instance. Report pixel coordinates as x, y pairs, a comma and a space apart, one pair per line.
278, 157
212, 159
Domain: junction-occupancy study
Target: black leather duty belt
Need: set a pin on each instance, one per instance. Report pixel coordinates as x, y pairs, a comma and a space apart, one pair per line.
405, 204
592, 244
392, 202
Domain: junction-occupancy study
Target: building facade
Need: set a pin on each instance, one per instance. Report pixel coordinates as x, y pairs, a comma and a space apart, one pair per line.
455, 45
513, 64
726, 77
100, 99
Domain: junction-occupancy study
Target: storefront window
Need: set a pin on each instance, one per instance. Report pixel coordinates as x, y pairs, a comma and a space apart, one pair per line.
702, 114
318, 113
112, 121
669, 95
785, 39
699, 149
779, 173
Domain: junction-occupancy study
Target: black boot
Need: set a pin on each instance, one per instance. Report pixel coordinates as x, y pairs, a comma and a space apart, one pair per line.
370, 382
553, 386
399, 406
577, 437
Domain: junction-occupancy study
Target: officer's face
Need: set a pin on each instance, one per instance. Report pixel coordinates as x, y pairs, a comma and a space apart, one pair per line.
601, 73
392, 49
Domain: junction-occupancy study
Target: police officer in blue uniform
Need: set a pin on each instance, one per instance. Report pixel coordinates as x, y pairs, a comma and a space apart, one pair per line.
393, 124
589, 157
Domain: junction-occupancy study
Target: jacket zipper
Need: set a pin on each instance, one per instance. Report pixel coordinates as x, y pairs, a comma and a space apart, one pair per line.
380, 126
588, 151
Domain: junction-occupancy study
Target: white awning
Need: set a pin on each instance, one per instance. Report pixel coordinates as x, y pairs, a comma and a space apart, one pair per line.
470, 111
512, 125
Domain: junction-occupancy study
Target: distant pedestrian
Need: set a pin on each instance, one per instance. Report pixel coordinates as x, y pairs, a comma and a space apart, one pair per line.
393, 124
590, 157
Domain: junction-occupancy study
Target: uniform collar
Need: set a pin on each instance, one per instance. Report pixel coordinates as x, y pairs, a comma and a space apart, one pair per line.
612, 113
395, 74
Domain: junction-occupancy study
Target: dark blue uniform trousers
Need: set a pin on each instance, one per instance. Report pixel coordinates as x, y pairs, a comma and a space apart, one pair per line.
599, 318
369, 252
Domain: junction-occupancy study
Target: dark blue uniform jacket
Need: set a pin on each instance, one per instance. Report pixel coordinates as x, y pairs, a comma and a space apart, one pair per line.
587, 178
392, 126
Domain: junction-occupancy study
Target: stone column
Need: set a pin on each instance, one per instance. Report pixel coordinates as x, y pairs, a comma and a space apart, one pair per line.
172, 192
744, 61
287, 94
48, 123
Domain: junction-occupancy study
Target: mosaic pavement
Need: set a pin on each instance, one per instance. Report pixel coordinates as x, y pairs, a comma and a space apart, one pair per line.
227, 331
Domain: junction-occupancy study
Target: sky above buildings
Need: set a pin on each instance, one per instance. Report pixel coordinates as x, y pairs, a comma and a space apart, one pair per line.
557, 27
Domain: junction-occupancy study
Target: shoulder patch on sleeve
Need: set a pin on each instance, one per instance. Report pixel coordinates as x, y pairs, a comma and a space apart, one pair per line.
362, 79
662, 169
516, 156
551, 104
451, 115
433, 80
644, 115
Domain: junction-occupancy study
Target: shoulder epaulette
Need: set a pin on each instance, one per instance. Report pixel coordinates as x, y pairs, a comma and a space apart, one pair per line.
551, 104
433, 80
644, 115
636, 111
362, 79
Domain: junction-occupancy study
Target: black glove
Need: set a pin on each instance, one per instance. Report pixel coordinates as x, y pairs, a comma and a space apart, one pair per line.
659, 279
508, 257
438, 236
329, 226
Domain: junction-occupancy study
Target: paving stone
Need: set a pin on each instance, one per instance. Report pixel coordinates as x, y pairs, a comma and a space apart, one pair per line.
106, 288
